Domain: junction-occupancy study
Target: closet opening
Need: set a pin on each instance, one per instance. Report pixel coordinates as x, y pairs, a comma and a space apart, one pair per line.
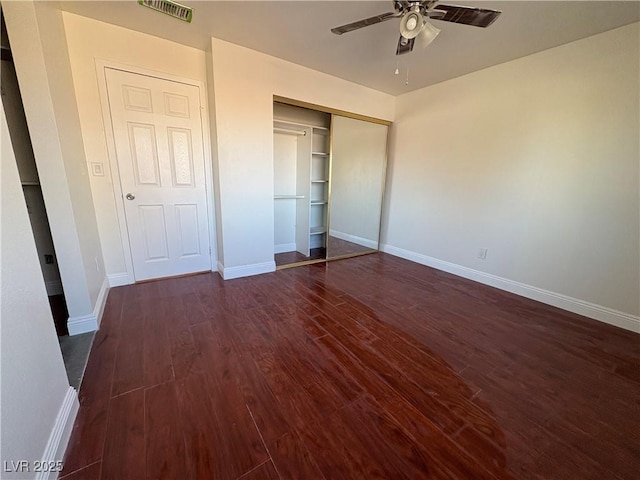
301, 153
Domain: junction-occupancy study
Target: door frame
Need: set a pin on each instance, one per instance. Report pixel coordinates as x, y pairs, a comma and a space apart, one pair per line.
101, 66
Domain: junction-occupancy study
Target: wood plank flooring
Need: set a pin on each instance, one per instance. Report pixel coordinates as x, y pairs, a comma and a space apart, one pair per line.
372, 367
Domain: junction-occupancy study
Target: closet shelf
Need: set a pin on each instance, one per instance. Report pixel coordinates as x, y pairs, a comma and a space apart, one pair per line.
287, 197
317, 230
286, 124
289, 131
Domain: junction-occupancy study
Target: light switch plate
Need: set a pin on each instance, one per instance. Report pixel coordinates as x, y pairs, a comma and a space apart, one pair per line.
97, 169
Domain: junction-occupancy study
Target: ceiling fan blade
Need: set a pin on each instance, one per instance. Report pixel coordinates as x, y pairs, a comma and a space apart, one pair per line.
349, 27
478, 17
405, 45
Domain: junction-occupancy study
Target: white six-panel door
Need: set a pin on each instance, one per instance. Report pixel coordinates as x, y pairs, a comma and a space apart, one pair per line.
160, 153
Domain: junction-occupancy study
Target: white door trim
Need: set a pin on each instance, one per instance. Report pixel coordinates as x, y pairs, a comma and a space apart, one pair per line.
101, 65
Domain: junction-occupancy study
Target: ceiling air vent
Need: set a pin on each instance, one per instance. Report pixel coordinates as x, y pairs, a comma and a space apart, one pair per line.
170, 8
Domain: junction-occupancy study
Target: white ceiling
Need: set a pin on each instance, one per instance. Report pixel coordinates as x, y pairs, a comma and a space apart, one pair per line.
299, 31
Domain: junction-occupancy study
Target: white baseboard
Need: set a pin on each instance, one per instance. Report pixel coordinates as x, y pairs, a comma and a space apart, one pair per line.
101, 301
284, 247
120, 279
60, 434
90, 323
54, 287
581, 307
82, 324
365, 242
229, 273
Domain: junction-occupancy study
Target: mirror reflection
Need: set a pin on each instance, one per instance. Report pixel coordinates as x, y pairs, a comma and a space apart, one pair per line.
358, 162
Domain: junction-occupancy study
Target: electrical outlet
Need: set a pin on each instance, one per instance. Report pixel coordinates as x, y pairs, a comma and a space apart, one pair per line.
48, 259
482, 253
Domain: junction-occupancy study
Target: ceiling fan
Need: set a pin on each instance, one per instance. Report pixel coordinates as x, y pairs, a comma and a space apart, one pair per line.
414, 24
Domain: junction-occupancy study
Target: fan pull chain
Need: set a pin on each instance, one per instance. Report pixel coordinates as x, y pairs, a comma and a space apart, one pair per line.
406, 82
397, 72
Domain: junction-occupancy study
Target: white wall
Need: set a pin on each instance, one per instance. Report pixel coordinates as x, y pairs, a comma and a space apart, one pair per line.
40, 56
34, 387
90, 40
245, 82
537, 160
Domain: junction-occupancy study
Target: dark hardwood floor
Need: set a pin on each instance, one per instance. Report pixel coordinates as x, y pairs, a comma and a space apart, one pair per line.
372, 367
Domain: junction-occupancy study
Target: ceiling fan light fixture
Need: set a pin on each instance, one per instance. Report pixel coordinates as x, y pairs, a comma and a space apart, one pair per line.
428, 34
411, 24
413, 15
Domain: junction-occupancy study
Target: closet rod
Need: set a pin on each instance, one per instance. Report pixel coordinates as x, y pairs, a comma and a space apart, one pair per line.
290, 132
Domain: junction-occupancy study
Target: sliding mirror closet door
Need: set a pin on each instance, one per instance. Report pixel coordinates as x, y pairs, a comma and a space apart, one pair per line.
358, 165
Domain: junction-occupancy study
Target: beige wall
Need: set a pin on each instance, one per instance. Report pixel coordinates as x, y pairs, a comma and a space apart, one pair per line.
89, 40
34, 385
245, 82
537, 160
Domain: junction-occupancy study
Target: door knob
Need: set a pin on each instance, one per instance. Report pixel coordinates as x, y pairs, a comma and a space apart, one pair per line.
130, 196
